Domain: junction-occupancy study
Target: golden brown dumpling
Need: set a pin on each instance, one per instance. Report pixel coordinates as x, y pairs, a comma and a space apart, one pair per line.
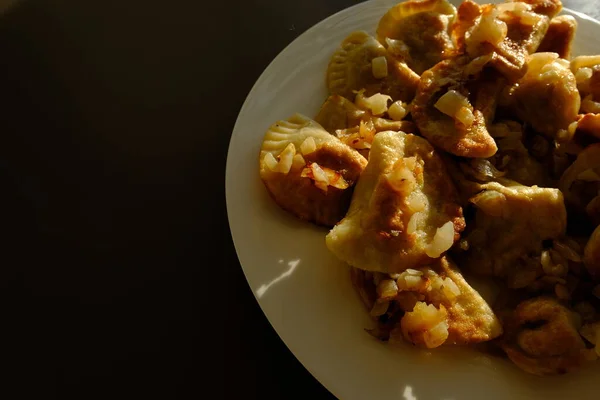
541, 337
549, 8
307, 171
587, 73
453, 117
559, 37
547, 97
404, 211
469, 318
361, 62
439, 306
581, 182
589, 124
418, 32
505, 34
511, 223
591, 254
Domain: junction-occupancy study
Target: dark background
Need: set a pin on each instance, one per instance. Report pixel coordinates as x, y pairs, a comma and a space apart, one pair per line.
118, 275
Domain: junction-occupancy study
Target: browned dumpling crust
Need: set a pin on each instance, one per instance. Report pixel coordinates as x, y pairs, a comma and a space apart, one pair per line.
559, 37
512, 222
361, 62
591, 255
428, 306
309, 172
453, 117
581, 181
547, 96
418, 32
505, 34
339, 113
542, 338
404, 211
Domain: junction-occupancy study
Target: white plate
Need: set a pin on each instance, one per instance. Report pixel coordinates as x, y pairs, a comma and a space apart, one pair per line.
306, 293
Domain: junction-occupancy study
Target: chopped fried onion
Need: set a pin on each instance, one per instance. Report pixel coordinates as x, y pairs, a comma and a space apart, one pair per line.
398, 110
270, 162
451, 290
324, 177
452, 102
417, 201
487, 29
379, 67
286, 159
402, 178
425, 325
377, 104
397, 48
308, 146
442, 240
412, 223
465, 116
386, 290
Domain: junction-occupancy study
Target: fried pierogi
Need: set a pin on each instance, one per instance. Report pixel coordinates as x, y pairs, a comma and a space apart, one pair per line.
308, 171
361, 62
453, 107
418, 32
404, 211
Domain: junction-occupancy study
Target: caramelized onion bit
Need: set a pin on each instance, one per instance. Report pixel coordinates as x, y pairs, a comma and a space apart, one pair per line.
324, 177
376, 104
379, 67
442, 240
452, 102
308, 146
398, 110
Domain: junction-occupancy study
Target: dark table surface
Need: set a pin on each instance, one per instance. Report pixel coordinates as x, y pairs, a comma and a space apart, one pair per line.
119, 277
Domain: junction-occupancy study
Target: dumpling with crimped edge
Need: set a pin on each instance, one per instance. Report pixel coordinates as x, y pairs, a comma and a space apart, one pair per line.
358, 60
404, 211
468, 317
308, 171
418, 32
542, 337
452, 108
428, 306
507, 33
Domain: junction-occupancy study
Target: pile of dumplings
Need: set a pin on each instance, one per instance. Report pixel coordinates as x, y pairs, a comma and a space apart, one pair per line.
459, 140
